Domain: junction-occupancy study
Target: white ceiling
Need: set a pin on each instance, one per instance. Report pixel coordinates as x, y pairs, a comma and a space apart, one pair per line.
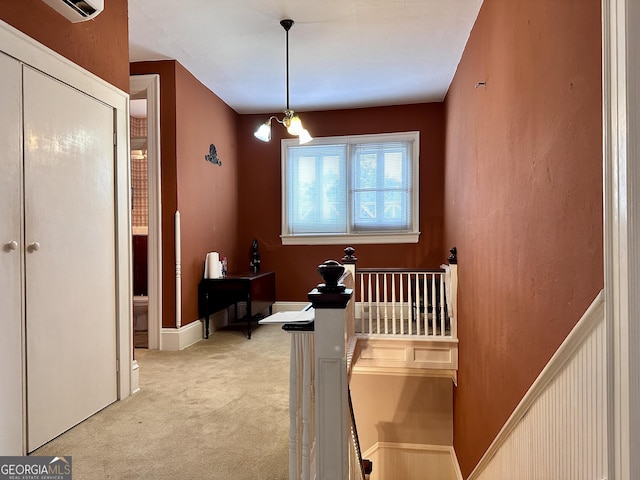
343, 53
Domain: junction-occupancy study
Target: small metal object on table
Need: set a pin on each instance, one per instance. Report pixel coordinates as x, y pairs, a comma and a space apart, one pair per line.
257, 289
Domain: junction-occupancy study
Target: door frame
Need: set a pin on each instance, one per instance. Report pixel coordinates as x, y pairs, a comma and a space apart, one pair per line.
621, 182
28, 51
148, 86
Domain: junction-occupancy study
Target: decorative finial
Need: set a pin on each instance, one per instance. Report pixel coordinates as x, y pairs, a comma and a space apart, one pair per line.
349, 258
453, 258
331, 271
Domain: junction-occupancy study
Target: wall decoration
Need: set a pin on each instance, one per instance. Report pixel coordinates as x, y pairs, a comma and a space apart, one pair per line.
212, 156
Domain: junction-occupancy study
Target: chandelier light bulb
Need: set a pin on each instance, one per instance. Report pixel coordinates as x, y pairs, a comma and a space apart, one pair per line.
295, 125
264, 131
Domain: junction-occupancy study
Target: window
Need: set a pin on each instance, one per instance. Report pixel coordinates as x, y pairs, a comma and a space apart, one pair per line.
356, 189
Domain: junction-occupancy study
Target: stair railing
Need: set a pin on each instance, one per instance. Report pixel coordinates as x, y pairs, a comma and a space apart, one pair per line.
407, 301
323, 440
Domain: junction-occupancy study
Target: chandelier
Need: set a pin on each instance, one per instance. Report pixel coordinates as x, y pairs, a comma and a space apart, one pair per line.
291, 120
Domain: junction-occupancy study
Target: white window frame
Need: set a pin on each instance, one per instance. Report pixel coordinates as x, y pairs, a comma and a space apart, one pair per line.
356, 238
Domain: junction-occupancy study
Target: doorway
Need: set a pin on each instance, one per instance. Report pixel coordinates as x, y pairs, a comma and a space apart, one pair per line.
147, 239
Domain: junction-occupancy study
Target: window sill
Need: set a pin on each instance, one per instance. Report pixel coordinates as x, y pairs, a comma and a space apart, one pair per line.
357, 239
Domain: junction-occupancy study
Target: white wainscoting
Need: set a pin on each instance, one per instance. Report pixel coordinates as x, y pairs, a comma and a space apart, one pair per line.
559, 429
407, 356
408, 461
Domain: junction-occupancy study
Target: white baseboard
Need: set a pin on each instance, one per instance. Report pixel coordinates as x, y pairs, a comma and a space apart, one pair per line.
181, 338
135, 377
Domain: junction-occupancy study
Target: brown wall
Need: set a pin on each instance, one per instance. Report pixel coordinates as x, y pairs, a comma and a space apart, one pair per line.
191, 119
523, 200
100, 45
207, 193
260, 195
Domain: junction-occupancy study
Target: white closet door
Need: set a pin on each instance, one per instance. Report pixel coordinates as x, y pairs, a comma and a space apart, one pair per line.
70, 256
11, 357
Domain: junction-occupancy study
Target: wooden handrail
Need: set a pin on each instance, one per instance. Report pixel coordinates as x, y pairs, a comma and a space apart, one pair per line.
365, 466
400, 270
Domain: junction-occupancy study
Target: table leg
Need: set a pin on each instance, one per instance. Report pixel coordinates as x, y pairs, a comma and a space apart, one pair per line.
206, 326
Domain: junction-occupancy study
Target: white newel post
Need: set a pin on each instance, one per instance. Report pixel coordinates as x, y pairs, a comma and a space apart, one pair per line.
332, 410
453, 286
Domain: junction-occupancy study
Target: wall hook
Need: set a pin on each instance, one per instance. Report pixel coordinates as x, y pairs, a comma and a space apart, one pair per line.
481, 84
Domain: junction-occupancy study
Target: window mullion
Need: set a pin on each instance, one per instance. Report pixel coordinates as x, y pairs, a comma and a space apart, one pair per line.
379, 185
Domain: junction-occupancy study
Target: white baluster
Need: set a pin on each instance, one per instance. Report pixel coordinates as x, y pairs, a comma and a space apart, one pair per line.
401, 304
417, 302
386, 316
434, 305
409, 290
425, 300
393, 302
370, 306
441, 305
377, 303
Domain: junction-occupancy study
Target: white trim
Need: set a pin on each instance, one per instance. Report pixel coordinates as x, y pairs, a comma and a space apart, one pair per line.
150, 86
355, 239
135, 377
414, 447
621, 147
591, 319
183, 337
456, 464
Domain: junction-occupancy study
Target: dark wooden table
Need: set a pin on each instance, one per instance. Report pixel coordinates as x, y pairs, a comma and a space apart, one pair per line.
258, 290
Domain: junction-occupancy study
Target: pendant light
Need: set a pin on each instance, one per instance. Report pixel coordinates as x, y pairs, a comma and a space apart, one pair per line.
291, 120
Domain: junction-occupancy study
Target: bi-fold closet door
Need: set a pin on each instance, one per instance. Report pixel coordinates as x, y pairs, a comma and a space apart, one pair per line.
58, 265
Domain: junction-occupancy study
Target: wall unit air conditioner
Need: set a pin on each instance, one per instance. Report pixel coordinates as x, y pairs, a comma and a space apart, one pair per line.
77, 10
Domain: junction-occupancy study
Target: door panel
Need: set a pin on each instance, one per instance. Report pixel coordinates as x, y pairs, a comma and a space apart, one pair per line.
69, 258
11, 313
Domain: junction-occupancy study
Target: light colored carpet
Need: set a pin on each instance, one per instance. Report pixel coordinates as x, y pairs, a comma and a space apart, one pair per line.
216, 410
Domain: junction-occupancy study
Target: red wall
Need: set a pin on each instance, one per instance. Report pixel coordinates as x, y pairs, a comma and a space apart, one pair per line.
523, 200
192, 118
100, 45
207, 193
260, 195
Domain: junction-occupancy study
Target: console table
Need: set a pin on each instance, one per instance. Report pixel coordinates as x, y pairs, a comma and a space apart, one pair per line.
258, 290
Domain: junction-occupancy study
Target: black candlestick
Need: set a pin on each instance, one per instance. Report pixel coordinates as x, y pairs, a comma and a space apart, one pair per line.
255, 257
